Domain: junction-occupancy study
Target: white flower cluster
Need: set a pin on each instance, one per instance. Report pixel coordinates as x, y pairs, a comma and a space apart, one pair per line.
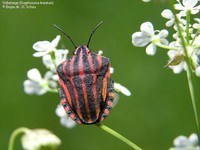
39, 139
185, 143
51, 58
180, 48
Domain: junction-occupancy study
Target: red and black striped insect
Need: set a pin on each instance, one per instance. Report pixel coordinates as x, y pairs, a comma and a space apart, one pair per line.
86, 89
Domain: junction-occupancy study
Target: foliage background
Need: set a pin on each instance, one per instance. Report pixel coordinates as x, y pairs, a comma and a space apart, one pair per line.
159, 108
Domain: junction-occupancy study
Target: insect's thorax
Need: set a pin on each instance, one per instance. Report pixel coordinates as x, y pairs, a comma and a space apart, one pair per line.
84, 62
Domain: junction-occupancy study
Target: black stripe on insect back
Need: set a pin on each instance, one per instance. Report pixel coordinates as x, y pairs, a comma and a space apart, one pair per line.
67, 67
105, 64
77, 83
99, 84
60, 73
72, 95
88, 80
95, 62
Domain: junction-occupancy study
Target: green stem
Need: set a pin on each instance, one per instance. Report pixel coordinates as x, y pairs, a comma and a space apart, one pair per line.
13, 136
187, 26
193, 85
157, 43
119, 136
52, 90
53, 58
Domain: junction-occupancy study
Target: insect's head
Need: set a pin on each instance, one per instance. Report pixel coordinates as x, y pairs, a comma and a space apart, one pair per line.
80, 48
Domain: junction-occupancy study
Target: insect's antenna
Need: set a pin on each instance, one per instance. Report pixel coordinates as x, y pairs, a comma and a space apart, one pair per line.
65, 35
93, 33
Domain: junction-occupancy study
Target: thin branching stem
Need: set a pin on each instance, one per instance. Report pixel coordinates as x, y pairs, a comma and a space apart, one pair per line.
119, 136
13, 136
193, 87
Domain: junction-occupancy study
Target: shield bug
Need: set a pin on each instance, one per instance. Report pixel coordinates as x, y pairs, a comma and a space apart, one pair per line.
86, 89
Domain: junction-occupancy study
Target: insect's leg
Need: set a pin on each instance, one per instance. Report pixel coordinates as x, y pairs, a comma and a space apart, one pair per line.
67, 107
109, 101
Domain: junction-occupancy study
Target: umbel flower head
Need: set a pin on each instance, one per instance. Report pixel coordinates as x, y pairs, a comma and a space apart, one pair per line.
186, 44
186, 143
39, 139
38, 85
45, 47
148, 35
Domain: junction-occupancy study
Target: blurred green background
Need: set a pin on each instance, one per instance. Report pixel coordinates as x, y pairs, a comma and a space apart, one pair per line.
159, 108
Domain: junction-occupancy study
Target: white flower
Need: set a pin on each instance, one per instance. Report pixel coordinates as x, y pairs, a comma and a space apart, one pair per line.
65, 120
60, 56
111, 70
184, 143
100, 52
119, 88
196, 25
187, 5
197, 71
147, 35
45, 47
39, 139
146, 0
36, 84
168, 15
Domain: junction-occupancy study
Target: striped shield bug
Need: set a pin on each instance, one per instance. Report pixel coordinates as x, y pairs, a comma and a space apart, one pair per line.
86, 89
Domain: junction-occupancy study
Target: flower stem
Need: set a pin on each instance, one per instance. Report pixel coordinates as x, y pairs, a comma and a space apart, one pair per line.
13, 136
164, 46
119, 136
187, 26
193, 85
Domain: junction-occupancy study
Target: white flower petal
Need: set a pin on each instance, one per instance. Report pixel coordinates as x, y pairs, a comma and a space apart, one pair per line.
146, 0
178, 7
178, 68
197, 71
194, 11
163, 33
34, 75
67, 122
139, 39
169, 23
48, 75
100, 52
111, 70
30, 87
52, 84
60, 56
167, 13
147, 28
119, 88
41, 91
42, 45
181, 141
164, 42
171, 53
193, 139
55, 77
151, 49
40, 54
189, 3
60, 112
55, 41
47, 61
